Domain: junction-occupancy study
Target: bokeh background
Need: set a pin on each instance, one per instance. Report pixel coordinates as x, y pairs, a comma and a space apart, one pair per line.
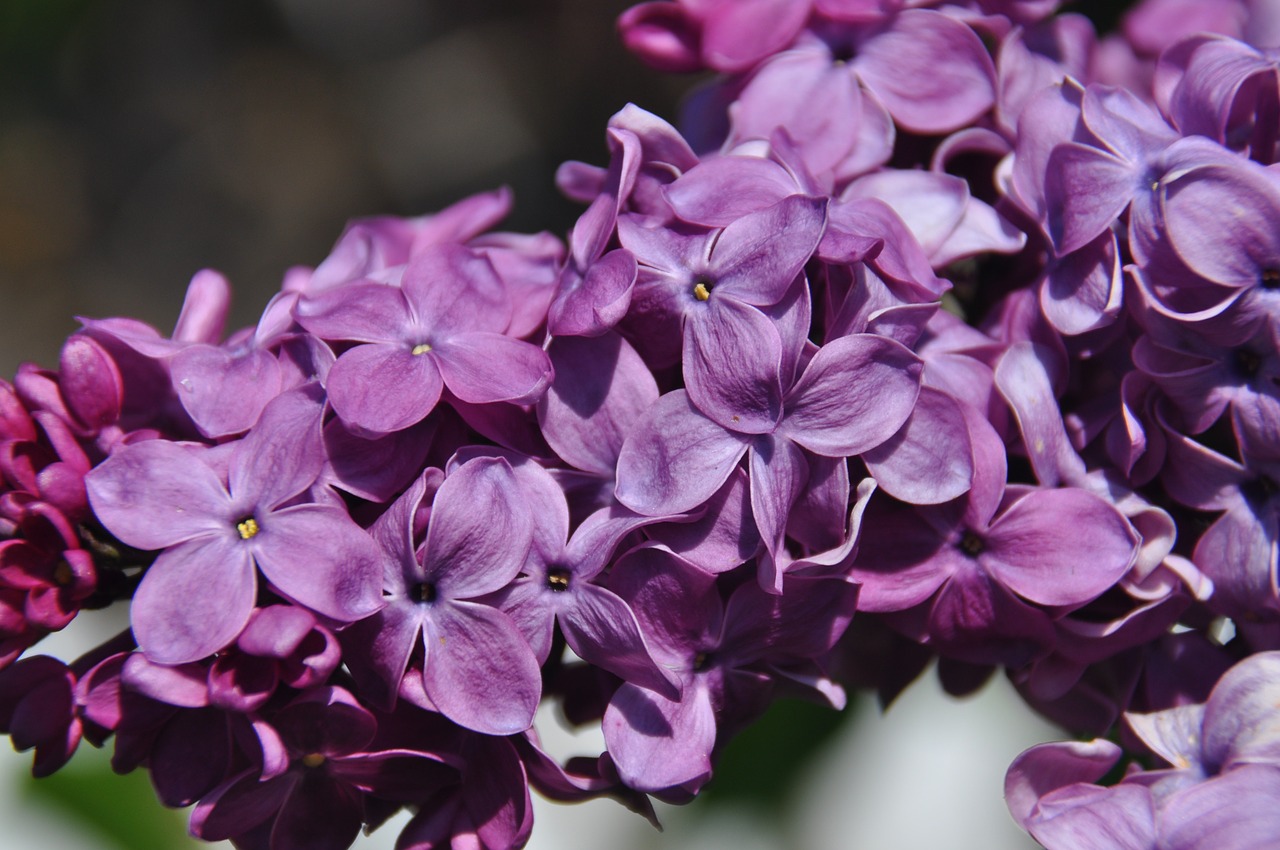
142, 140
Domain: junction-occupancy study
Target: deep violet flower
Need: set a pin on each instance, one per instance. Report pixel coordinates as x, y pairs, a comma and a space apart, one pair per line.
723, 653
317, 800
853, 395
200, 592
972, 565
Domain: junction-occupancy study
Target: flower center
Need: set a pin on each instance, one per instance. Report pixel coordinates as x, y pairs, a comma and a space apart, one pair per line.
63, 575
702, 290
247, 528
971, 544
421, 348
1269, 279
312, 760
558, 579
425, 592
1247, 363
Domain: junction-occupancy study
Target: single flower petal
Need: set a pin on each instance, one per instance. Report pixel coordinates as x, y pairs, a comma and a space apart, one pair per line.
486, 367
156, 493
676, 460
194, 600
733, 365
855, 393
317, 556
383, 388
480, 530
479, 671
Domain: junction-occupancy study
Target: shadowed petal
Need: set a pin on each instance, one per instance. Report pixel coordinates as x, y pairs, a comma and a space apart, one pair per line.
480, 530
778, 474
1060, 547
601, 391
930, 460
733, 366
603, 631
320, 814
656, 742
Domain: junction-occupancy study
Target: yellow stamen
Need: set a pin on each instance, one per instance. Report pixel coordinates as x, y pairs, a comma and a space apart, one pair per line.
312, 760
421, 348
248, 528
701, 291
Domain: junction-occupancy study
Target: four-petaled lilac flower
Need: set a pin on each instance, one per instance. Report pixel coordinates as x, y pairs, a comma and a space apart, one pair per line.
444, 326
467, 659
198, 595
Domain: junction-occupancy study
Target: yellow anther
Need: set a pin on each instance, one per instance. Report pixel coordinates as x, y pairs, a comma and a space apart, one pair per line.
312, 760
247, 528
421, 348
701, 291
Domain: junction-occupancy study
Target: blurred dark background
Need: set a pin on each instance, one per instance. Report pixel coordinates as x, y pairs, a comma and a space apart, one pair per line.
141, 140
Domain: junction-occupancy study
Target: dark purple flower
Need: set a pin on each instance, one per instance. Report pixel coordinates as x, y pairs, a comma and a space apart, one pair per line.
317, 800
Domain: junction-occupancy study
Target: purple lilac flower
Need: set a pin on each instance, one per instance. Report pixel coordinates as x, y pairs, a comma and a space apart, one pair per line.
1223, 770
199, 594
444, 326
435, 643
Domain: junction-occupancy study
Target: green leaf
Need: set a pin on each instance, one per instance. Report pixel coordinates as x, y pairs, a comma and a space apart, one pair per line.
121, 810
760, 767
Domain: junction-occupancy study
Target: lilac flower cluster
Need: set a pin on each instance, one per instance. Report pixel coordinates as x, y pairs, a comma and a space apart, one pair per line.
954, 315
